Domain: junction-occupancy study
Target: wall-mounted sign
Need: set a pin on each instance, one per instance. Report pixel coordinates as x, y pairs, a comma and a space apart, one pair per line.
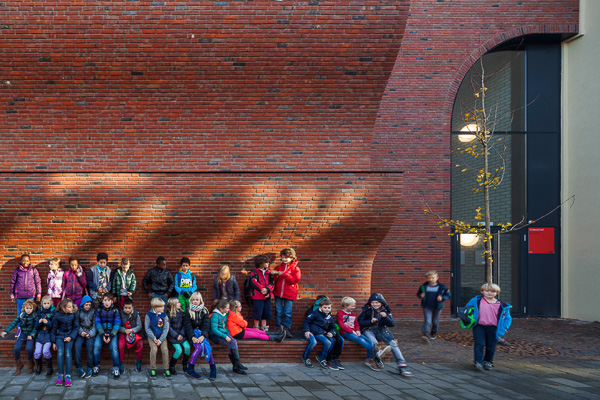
541, 240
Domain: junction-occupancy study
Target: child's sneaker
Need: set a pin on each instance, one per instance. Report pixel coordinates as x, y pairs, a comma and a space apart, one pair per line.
138, 366
339, 365
81, 372
59, 380
433, 335
307, 362
404, 371
152, 374
371, 364
167, 374
478, 366
68, 380
379, 363
116, 374
381, 353
425, 337
488, 365
95, 371
88, 373
322, 362
332, 365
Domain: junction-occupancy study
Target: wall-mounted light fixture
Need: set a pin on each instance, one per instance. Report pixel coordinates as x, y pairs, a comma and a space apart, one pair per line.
468, 137
468, 239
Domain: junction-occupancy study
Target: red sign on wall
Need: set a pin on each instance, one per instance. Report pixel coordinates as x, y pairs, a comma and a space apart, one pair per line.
541, 240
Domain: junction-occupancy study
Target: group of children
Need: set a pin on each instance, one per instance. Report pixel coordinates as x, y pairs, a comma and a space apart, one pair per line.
97, 310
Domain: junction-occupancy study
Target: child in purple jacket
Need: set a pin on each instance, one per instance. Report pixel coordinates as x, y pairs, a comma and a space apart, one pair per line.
25, 283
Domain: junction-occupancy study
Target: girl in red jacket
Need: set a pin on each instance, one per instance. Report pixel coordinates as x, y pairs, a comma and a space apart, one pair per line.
286, 277
262, 286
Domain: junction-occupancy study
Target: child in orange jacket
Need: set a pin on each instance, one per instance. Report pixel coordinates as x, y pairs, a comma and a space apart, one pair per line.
238, 326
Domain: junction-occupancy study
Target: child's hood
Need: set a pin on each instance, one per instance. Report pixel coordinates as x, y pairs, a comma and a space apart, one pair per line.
85, 299
377, 297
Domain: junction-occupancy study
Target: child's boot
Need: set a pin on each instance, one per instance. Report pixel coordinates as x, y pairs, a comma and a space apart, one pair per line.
276, 336
185, 360
50, 371
30, 366
138, 365
172, 363
238, 368
192, 372
19, 367
38, 366
213, 372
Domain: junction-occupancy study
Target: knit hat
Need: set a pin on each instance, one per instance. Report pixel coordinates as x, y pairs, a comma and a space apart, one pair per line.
85, 299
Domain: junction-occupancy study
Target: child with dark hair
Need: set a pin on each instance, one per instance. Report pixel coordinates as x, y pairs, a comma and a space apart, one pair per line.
65, 327
108, 322
43, 326
319, 326
86, 335
221, 335
286, 277
26, 318
375, 319
124, 282
158, 281
262, 288
74, 282
25, 284
131, 326
185, 283
99, 279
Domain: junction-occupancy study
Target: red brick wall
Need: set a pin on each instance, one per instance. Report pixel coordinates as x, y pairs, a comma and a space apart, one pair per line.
173, 111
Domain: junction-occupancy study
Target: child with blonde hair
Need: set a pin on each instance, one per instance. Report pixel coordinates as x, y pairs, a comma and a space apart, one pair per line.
54, 280
350, 330
124, 282
197, 329
225, 285
43, 342
238, 326
177, 336
157, 329
25, 317
492, 320
433, 295
65, 328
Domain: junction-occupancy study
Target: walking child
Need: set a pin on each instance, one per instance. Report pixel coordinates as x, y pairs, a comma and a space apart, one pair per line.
196, 323
286, 277
157, 329
129, 335
54, 281
433, 295
221, 335
350, 330
43, 342
74, 282
25, 317
65, 328
177, 336
108, 322
86, 336
185, 283
124, 282
262, 288
492, 320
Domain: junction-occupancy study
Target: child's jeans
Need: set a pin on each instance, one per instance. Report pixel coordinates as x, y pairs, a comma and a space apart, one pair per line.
230, 345
42, 348
431, 320
484, 335
22, 339
312, 342
64, 356
363, 341
114, 351
138, 347
164, 349
283, 307
375, 335
78, 346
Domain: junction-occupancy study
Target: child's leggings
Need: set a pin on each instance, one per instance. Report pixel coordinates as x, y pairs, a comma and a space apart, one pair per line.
42, 348
251, 333
179, 350
199, 349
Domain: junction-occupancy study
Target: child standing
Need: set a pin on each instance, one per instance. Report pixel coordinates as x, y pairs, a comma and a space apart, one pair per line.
350, 330
108, 321
197, 328
26, 318
86, 335
157, 329
74, 282
238, 327
185, 283
55, 281
375, 319
262, 287
131, 326
220, 334
177, 335
492, 321
432, 295
158, 282
320, 326
99, 279
25, 283
124, 282
43, 342
286, 277
65, 328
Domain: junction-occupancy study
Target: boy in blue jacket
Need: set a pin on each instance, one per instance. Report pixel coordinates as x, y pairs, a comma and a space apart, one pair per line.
185, 283
108, 321
319, 325
492, 320
374, 321
432, 295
